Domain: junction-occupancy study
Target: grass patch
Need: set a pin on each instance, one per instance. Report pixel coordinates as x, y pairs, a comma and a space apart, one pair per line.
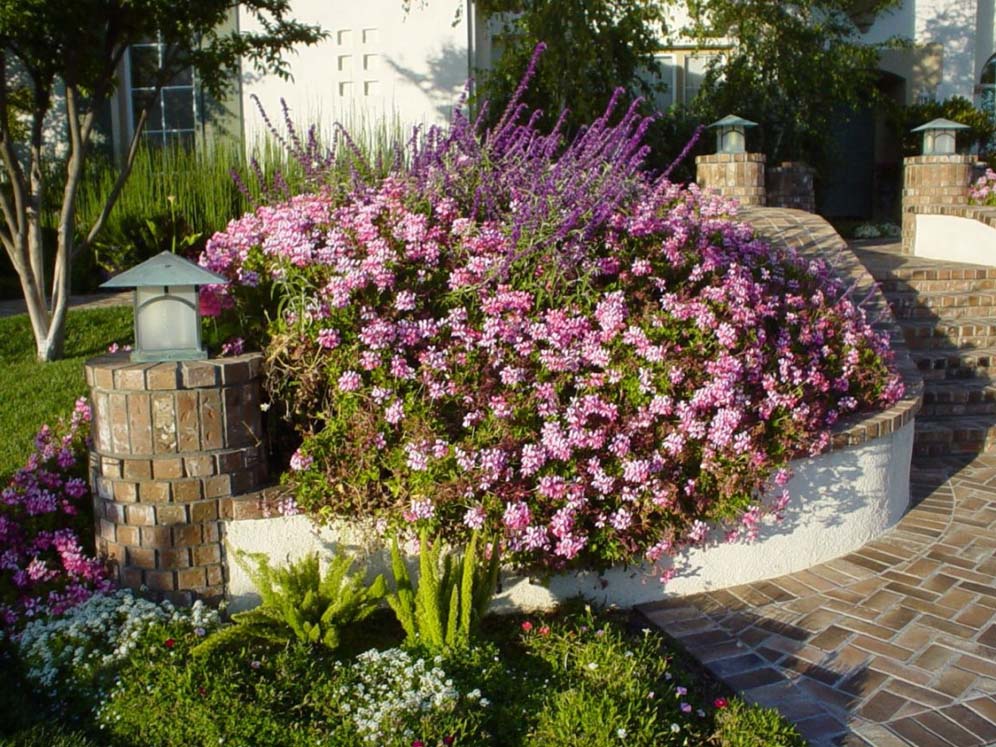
33, 393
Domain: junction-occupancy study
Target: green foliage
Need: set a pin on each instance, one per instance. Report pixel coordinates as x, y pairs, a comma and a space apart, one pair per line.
168, 698
452, 596
569, 678
742, 725
298, 603
902, 119
593, 46
794, 67
32, 393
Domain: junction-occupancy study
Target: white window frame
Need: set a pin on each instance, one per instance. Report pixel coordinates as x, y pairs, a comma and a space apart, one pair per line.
157, 132
686, 90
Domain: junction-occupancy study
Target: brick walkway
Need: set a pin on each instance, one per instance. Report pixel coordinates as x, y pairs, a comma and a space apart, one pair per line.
892, 645
91, 301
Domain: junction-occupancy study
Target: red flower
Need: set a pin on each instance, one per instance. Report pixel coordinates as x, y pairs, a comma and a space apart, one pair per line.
202, 692
544, 630
448, 741
527, 626
418, 743
169, 643
720, 702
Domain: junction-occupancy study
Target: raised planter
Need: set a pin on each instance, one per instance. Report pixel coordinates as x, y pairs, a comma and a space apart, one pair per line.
841, 499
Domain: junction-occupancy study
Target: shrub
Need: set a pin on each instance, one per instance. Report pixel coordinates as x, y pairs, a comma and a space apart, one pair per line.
544, 341
44, 565
451, 597
298, 602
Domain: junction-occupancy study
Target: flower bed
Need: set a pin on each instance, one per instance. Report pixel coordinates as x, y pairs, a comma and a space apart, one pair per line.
119, 670
595, 365
46, 529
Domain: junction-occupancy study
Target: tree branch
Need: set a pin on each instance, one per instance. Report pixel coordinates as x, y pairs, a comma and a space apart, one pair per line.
12, 164
119, 183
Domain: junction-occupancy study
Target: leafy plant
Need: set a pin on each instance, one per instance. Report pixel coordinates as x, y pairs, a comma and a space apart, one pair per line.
452, 595
299, 603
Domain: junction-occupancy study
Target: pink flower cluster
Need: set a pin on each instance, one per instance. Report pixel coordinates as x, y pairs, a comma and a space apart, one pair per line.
44, 567
983, 190
614, 409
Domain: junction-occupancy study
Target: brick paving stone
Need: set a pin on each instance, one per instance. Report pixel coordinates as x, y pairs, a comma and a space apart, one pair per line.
947, 729
917, 734
982, 728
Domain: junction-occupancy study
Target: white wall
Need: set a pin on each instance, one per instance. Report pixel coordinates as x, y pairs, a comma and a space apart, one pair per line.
964, 28
840, 501
954, 239
377, 62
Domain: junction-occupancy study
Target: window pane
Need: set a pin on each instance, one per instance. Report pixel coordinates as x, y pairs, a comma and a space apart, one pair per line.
142, 99
179, 108
185, 77
144, 66
696, 67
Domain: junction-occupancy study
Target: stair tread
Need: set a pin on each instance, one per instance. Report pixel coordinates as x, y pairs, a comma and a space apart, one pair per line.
974, 384
899, 266
951, 351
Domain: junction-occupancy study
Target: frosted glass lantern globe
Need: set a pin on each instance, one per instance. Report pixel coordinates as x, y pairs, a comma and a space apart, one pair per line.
167, 312
939, 136
731, 133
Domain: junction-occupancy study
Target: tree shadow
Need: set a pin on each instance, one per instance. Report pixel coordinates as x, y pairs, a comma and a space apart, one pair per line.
446, 70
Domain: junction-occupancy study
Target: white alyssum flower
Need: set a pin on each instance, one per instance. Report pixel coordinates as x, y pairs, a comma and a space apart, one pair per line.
102, 630
390, 686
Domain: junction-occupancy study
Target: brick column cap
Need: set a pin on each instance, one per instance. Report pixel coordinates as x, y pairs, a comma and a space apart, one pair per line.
116, 371
731, 158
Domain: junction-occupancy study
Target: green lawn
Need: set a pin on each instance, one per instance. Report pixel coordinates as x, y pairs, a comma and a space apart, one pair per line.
33, 393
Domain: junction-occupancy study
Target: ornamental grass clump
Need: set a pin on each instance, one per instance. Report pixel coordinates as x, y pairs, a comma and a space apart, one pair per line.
45, 563
537, 338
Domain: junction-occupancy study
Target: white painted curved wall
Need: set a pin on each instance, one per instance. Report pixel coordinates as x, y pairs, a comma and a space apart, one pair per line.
955, 239
840, 501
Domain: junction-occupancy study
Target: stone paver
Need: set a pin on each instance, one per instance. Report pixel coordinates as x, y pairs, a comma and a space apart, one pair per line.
894, 643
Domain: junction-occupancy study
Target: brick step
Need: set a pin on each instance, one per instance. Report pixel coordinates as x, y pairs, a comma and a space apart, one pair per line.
932, 334
942, 304
970, 397
894, 285
944, 436
951, 363
899, 272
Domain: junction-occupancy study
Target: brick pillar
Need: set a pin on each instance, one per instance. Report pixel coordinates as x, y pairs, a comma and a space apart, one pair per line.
933, 181
737, 175
790, 185
171, 443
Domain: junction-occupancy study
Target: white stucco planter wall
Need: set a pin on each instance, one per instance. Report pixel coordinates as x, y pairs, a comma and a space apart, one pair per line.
840, 501
954, 239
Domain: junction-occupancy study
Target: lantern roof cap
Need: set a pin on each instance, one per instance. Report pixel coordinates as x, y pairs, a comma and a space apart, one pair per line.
165, 268
940, 124
732, 120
